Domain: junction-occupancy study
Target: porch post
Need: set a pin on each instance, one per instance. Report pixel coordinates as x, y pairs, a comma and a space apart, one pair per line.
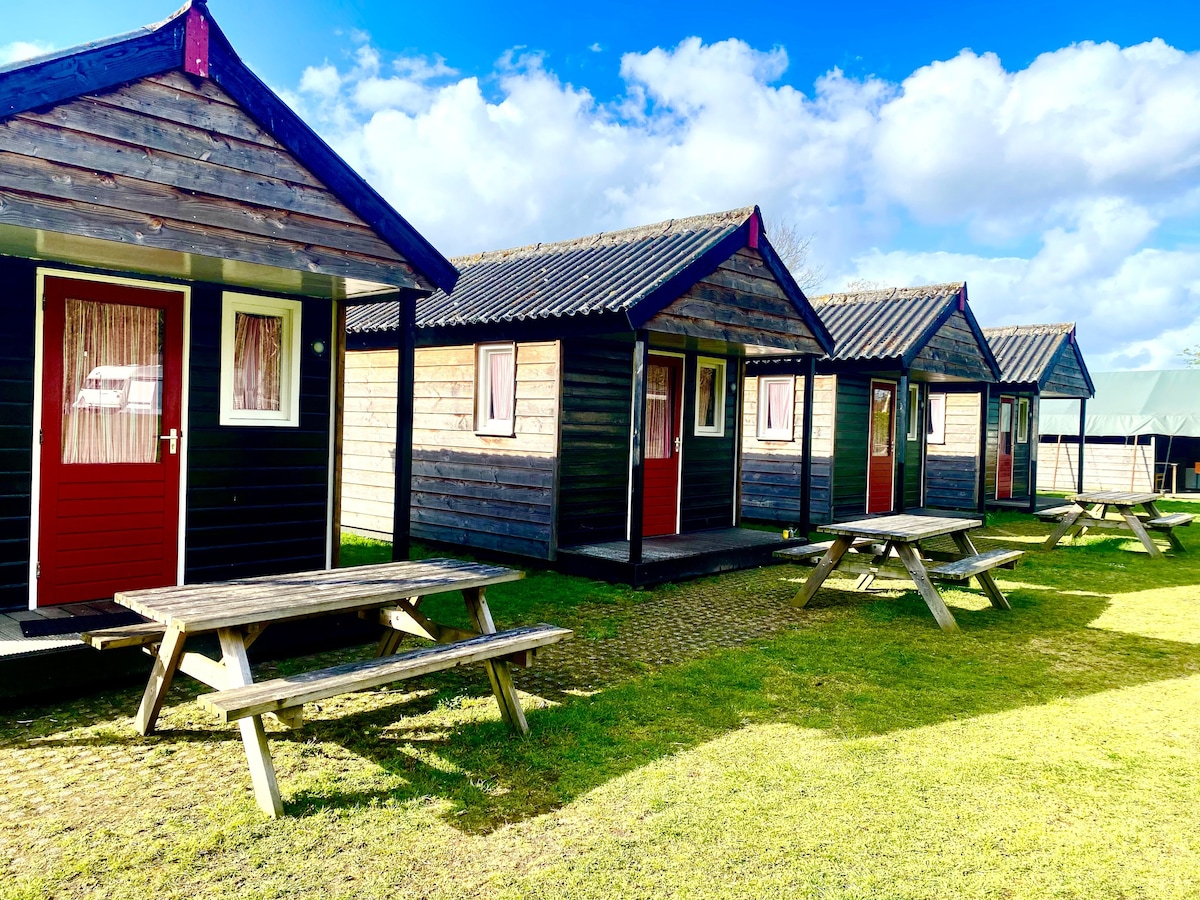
1034, 438
739, 406
337, 348
1082, 439
985, 400
402, 495
637, 444
902, 414
806, 443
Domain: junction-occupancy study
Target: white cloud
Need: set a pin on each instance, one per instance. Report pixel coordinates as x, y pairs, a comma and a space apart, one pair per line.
1089, 154
22, 50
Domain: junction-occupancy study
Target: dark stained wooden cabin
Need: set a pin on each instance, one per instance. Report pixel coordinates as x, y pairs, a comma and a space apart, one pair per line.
580, 402
1036, 361
870, 405
176, 252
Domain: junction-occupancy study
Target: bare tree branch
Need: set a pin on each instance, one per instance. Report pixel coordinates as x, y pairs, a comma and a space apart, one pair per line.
793, 248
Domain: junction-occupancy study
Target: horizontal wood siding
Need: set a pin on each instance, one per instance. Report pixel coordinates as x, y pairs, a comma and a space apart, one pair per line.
17, 304
850, 447
369, 442
742, 303
1106, 466
163, 163
772, 470
594, 475
993, 446
954, 350
952, 468
708, 474
257, 497
913, 463
1021, 450
1066, 378
495, 493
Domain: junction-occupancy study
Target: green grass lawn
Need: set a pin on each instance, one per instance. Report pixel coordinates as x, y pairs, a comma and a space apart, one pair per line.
696, 740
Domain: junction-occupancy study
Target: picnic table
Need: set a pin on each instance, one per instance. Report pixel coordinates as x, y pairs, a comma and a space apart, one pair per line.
867, 547
238, 611
1076, 518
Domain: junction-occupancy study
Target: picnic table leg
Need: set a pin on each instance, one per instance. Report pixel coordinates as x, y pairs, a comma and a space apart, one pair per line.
1136, 526
963, 541
1098, 512
916, 569
868, 578
166, 663
497, 669
1062, 528
254, 736
827, 564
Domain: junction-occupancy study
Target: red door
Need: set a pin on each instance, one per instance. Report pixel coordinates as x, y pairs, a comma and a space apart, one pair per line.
1004, 460
664, 421
882, 452
111, 388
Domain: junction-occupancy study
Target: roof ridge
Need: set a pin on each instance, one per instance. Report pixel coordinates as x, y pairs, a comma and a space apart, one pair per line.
610, 238
877, 295
1042, 328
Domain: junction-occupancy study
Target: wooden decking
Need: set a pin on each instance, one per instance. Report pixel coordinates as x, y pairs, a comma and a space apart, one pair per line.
676, 556
14, 644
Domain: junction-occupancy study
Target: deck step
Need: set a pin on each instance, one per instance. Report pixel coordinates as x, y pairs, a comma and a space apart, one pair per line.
1055, 512
138, 635
962, 569
1174, 520
296, 690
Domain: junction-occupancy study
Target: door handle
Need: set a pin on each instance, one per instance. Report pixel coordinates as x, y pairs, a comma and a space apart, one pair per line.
678, 444
173, 437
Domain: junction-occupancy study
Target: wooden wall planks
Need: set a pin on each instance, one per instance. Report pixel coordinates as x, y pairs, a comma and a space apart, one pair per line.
17, 293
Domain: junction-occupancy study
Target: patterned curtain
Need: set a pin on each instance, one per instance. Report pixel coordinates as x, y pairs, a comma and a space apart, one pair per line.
501, 382
658, 412
257, 352
779, 405
112, 383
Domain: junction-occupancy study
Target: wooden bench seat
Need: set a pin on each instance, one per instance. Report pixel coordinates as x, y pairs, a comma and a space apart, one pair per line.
970, 566
141, 634
308, 687
1055, 512
1173, 520
809, 552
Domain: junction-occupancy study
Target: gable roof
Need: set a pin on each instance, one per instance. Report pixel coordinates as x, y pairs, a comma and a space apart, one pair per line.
1028, 354
633, 273
191, 41
895, 324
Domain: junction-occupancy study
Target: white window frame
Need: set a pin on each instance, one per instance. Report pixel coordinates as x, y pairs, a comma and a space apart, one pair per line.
483, 389
1022, 420
931, 435
288, 414
914, 407
717, 429
775, 434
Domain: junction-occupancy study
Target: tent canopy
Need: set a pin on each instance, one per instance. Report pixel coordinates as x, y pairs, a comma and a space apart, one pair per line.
1131, 403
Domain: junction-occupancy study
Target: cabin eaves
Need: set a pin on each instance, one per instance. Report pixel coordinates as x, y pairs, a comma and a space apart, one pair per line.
1028, 354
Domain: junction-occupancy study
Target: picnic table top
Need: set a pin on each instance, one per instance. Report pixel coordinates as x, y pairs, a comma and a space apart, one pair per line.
1118, 498
901, 527
276, 598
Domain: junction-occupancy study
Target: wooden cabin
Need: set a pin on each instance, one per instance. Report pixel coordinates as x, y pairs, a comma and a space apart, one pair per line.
870, 407
580, 402
1036, 362
176, 252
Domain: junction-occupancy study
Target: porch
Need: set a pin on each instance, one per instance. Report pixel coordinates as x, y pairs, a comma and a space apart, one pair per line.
675, 556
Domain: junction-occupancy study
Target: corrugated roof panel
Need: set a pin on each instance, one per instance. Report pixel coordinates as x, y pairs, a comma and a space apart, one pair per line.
1025, 352
883, 324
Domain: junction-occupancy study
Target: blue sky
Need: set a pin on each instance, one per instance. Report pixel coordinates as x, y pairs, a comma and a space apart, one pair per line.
1049, 154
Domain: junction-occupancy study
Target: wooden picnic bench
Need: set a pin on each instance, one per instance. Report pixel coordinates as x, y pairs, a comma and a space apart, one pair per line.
238, 611
1075, 518
870, 548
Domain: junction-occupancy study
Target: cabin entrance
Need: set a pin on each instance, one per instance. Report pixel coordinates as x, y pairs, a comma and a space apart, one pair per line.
1004, 458
881, 460
112, 372
664, 427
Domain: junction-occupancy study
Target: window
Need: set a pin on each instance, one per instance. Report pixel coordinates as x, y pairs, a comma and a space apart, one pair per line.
710, 397
495, 389
776, 403
1023, 420
936, 433
914, 412
260, 361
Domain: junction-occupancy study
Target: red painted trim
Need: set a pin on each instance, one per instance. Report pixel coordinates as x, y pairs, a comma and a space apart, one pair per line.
195, 42
962, 301
755, 227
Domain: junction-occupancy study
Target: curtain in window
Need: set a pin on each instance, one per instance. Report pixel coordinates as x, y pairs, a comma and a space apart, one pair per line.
658, 412
937, 419
257, 357
881, 422
706, 396
112, 383
779, 405
501, 372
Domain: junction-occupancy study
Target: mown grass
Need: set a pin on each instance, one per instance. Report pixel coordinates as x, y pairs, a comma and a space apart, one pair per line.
1053, 751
